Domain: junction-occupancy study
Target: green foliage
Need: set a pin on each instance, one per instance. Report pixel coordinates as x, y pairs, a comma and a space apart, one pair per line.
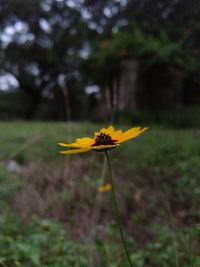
41, 243
9, 183
182, 118
54, 45
46, 243
157, 180
148, 48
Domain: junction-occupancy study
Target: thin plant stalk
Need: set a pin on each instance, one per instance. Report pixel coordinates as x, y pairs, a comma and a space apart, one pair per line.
117, 216
96, 211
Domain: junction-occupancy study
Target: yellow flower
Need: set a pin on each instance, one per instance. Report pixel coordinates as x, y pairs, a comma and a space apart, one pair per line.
106, 138
104, 188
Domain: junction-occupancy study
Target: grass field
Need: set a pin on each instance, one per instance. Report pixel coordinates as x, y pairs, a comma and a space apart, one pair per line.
51, 213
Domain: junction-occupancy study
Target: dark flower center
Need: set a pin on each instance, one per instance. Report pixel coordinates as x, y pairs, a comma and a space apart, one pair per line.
104, 139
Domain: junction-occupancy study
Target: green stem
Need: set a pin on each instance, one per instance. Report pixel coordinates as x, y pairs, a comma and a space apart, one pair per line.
117, 216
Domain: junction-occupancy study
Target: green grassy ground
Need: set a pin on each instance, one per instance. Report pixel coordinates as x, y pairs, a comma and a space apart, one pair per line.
52, 215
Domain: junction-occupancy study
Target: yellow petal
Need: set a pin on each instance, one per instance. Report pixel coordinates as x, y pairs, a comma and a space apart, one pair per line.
69, 145
117, 134
110, 130
74, 151
103, 130
132, 133
104, 188
85, 141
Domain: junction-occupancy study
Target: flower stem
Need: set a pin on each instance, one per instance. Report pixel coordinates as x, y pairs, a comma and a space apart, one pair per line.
117, 216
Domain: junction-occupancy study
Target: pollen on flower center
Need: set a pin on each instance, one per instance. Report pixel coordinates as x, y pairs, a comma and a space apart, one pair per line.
104, 139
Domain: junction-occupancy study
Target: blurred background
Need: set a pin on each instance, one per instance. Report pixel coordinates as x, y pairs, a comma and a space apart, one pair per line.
80, 59
67, 69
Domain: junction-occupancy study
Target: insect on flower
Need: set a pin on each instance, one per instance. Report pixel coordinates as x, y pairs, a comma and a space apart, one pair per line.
105, 139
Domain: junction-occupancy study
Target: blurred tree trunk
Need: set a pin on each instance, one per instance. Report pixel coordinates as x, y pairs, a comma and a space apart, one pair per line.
112, 91
120, 91
128, 85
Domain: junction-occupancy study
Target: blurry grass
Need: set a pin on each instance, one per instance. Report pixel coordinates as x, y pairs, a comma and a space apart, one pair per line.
157, 176
157, 148
36, 140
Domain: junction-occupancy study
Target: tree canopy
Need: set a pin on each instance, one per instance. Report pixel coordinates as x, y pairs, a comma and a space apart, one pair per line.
55, 48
